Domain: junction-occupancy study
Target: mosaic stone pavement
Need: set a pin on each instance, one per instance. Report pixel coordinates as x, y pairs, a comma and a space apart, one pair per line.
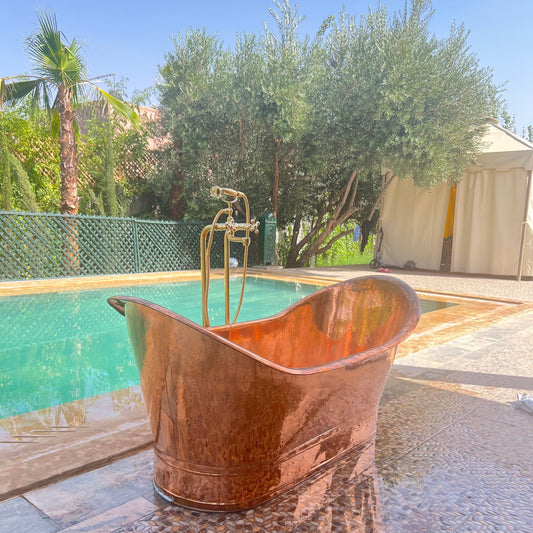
452, 453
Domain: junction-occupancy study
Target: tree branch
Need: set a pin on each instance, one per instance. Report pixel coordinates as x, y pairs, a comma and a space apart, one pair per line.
387, 180
325, 248
331, 223
296, 231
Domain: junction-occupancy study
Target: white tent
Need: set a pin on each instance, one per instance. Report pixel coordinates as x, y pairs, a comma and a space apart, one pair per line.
491, 217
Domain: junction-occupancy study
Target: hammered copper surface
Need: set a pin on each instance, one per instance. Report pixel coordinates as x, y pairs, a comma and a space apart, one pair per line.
241, 413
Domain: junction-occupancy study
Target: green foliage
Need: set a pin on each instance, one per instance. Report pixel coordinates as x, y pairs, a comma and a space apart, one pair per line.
25, 197
283, 245
34, 168
226, 111
287, 75
98, 156
508, 121
110, 187
5, 174
17, 192
418, 104
345, 251
101, 146
26, 134
309, 127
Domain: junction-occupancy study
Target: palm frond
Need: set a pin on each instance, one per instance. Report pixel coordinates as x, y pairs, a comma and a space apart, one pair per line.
54, 60
44, 47
16, 90
120, 107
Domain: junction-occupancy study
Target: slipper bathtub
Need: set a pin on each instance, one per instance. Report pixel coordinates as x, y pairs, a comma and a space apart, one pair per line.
242, 413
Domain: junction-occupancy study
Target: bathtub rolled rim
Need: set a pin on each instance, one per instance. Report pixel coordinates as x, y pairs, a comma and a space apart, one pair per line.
366, 356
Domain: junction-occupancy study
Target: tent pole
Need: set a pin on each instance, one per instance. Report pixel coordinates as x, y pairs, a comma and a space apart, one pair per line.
524, 228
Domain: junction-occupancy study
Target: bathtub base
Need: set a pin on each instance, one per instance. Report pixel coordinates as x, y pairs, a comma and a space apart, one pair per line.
243, 487
235, 506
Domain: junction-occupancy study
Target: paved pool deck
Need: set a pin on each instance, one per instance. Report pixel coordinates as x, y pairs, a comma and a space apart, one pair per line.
452, 453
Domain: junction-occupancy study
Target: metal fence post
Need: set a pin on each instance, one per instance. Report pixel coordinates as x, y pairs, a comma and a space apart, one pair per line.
136, 246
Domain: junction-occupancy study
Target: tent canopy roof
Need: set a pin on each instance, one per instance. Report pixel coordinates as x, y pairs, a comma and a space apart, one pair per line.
503, 150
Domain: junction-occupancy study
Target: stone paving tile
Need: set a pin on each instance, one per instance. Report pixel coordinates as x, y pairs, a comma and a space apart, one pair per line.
503, 362
114, 518
19, 516
508, 410
359, 509
441, 356
473, 379
462, 474
439, 486
409, 419
496, 441
82, 497
483, 287
490, 519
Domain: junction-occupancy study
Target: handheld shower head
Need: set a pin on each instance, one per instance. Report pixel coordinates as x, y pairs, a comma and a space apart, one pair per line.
230, 195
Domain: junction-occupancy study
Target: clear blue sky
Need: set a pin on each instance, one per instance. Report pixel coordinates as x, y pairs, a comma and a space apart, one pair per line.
131, 37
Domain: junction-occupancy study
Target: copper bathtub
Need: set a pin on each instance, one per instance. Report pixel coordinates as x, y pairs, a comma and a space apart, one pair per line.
241, 413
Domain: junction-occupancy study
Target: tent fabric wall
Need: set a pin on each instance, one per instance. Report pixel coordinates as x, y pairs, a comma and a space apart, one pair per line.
489, 213
413, 223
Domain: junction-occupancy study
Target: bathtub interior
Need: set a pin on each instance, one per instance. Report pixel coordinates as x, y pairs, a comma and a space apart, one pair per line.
329, 325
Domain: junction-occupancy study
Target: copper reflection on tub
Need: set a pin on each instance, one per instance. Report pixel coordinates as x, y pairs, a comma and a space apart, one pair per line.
241, 413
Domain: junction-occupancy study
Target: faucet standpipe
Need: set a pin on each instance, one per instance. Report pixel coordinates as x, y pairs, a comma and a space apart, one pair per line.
230, 228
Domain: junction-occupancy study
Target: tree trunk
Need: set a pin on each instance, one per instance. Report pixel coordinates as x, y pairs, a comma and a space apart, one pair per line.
292, 257
67, 154
275, 180
336, 211
68, 162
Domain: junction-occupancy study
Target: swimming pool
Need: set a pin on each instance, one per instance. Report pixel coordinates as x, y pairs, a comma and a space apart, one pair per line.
60, 347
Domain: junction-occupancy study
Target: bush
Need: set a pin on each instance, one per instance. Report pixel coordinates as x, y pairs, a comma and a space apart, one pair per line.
345, 251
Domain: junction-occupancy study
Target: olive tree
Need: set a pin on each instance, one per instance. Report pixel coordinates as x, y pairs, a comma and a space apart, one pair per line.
394, 101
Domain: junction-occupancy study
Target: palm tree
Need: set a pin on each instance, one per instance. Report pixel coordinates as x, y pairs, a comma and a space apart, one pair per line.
59, 81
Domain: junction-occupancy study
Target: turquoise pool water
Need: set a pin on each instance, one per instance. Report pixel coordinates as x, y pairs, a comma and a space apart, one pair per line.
65, 346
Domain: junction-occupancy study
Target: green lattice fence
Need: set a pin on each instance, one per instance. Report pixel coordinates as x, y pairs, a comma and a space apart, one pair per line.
40, 245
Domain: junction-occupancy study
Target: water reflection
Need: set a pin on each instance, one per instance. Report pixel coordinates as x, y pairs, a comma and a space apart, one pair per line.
60, 418
57, 418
